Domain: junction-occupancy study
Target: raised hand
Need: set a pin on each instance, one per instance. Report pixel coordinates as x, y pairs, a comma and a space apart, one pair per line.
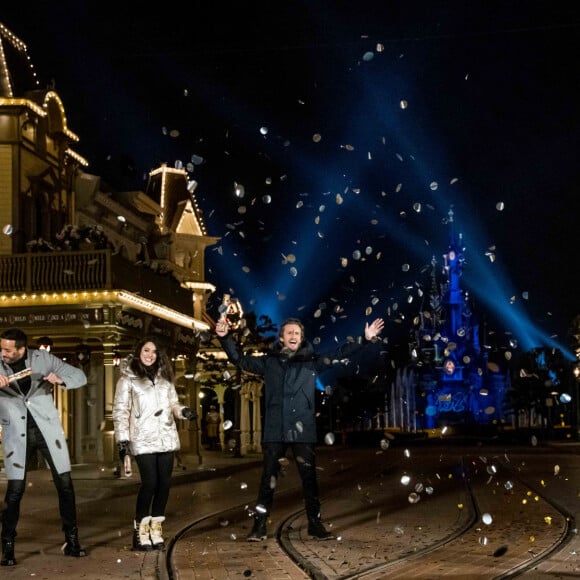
222, 327
373, 329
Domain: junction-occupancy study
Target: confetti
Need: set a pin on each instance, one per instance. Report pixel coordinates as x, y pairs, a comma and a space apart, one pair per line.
329, 439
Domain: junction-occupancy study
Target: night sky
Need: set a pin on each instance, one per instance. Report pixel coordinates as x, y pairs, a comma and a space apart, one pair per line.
353, 129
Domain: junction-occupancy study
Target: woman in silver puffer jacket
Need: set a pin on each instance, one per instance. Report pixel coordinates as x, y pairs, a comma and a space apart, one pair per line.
144, 412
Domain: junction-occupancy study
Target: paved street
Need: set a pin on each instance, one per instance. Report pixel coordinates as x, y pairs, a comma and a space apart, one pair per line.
427, 527
465, 512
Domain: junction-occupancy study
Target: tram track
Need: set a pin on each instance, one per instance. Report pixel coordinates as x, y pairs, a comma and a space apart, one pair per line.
387, 529
523, 528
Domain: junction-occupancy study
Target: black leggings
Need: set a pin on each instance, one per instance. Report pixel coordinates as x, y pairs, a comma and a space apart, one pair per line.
15, 487
155, 470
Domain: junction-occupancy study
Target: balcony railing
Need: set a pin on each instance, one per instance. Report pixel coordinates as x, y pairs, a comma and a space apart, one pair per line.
56, 271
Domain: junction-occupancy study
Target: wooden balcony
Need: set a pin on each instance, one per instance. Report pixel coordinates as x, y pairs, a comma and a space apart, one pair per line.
86, 270
56, 271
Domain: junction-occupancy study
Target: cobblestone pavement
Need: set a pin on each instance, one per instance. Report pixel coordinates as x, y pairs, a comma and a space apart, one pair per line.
530, 493
433, 526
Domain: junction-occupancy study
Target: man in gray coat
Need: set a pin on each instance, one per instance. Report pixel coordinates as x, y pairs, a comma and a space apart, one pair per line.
30, 423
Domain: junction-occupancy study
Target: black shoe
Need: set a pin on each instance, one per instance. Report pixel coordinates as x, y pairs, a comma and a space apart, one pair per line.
258, 532
72, 546
8, 558
318, 531
74, 550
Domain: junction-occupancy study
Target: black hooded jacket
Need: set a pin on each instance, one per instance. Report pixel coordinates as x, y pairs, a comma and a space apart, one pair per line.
289, 386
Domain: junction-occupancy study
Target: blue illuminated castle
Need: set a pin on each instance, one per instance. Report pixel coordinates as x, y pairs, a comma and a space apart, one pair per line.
450, 379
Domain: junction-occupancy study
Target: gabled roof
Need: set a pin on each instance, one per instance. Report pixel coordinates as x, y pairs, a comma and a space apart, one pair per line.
16, 70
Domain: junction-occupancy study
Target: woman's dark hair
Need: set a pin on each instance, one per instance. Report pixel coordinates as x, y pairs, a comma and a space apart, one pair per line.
161, 366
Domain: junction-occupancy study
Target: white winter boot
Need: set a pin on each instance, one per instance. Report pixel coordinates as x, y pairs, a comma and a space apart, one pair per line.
156, 532
141, 535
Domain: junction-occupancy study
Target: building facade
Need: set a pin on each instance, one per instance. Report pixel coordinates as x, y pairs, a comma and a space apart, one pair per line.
93, 270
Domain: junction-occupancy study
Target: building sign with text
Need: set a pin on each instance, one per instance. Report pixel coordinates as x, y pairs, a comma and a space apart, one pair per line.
88, 316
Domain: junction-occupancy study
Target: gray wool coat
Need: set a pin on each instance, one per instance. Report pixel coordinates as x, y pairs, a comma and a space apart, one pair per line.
40, 403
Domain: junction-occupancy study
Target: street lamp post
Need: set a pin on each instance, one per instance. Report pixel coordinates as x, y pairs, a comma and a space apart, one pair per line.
194, 425
236, 431
576, 372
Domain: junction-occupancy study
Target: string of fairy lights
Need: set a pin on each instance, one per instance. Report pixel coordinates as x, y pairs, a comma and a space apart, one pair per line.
6, 83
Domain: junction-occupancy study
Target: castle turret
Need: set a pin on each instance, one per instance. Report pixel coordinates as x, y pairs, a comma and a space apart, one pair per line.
454, 382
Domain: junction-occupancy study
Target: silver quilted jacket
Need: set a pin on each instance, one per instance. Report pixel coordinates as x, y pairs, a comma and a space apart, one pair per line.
144, 413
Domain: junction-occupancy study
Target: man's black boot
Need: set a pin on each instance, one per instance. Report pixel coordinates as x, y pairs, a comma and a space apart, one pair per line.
258, 532
72, 546
8, 558
317, 530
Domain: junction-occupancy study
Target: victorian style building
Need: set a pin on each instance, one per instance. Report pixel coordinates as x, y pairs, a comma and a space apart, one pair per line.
87, 271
